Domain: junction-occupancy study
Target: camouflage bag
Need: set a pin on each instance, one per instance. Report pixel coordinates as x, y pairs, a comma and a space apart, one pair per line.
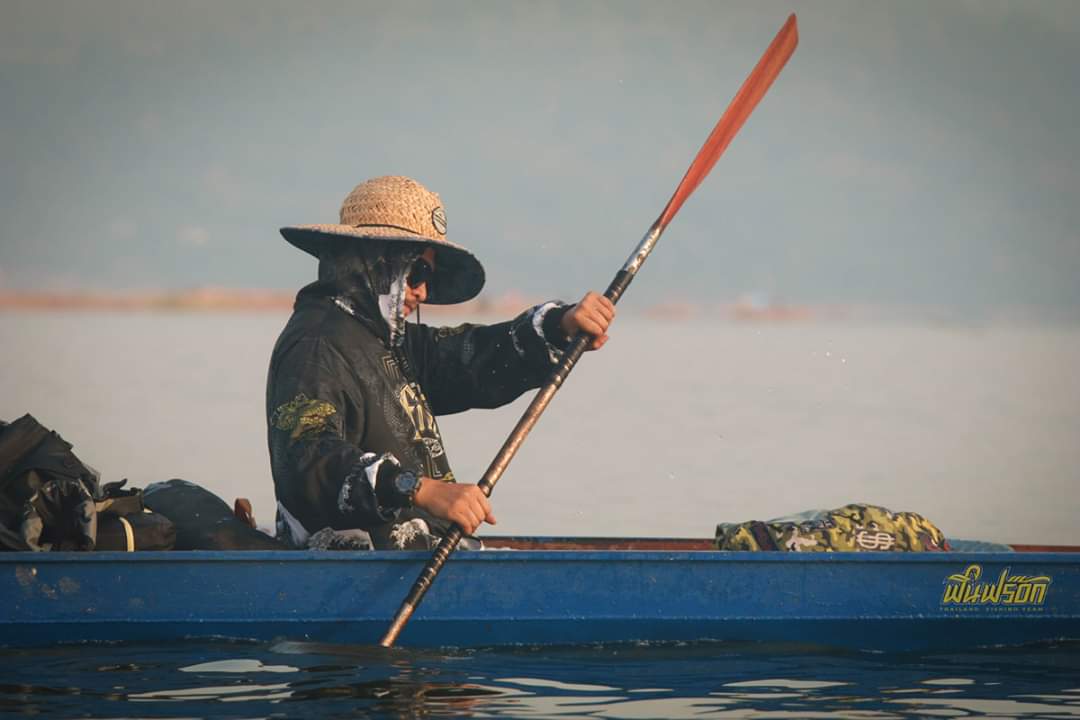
852, 528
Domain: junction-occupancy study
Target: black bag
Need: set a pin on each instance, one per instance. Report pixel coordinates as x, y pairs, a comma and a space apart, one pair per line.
135, 531
51, 500
46, 493
204, 521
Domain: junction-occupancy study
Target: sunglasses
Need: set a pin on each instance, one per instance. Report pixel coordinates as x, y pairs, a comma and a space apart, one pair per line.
421, 272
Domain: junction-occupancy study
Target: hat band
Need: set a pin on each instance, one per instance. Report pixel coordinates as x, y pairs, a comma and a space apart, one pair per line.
384, 225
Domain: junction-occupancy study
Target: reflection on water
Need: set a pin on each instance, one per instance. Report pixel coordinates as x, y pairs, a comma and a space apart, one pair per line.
640, 681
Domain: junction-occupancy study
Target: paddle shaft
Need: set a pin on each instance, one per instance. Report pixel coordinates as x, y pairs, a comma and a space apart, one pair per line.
517, 437
751, 92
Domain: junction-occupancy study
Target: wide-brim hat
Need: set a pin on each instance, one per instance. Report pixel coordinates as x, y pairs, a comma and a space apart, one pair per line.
398, 209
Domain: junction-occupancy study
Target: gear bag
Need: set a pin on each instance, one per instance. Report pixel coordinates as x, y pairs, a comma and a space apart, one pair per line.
852, 528
51, 500
204, 521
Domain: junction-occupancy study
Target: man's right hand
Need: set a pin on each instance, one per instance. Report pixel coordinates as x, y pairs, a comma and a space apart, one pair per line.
464, 504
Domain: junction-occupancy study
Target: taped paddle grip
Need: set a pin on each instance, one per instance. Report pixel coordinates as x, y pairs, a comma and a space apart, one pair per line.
438, 558
423, 583
618, 286
581, 341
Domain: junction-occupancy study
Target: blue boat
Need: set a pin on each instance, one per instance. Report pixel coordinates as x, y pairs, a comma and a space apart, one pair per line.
535, 591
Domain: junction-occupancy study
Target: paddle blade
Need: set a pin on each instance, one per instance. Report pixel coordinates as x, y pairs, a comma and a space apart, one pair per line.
749, 95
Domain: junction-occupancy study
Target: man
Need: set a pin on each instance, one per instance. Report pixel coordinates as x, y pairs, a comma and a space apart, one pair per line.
353, 390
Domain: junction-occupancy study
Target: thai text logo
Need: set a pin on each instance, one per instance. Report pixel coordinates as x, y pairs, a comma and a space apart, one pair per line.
1008, 589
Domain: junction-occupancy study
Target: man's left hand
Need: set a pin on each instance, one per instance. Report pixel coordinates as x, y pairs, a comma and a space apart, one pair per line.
592, 315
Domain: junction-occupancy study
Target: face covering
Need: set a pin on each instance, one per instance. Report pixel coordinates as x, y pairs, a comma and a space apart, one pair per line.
368, 282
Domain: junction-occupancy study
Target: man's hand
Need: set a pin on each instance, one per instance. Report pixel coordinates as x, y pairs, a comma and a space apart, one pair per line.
464, 504
592, 315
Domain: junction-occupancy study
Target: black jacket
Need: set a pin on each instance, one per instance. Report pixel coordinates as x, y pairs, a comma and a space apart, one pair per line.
340, 397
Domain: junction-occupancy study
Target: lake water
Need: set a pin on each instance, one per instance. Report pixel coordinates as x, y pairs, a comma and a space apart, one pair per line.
287, 680
673, 427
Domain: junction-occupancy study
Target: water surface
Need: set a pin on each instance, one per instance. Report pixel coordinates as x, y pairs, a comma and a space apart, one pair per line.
288, 679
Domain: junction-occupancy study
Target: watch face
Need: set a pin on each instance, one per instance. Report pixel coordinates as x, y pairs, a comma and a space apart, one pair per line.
406, 483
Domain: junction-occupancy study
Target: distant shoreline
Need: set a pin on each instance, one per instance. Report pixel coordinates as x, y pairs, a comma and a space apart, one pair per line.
749, 309
203, 299
198, 300
211, 300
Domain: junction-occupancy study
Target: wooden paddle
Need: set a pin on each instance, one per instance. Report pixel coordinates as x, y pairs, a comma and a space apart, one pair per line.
751, 92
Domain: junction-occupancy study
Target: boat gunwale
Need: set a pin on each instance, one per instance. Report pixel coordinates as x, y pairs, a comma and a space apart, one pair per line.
560, 555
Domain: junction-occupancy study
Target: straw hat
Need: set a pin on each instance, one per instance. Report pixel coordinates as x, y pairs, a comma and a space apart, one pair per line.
398, 209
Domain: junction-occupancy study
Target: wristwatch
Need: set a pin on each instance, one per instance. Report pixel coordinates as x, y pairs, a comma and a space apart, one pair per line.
407, 484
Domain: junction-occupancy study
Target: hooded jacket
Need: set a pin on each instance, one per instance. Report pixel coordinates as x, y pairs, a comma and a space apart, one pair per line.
353, 392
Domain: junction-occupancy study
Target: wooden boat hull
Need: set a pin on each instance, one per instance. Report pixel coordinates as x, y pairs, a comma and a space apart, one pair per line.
870, 601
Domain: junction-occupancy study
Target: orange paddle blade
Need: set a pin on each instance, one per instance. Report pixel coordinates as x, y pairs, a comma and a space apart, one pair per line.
753, 89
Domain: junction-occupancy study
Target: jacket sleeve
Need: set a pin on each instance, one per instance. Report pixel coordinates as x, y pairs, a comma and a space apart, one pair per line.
320, 477
486, 366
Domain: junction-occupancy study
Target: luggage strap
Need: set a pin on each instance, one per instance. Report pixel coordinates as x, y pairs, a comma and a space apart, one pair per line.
761, 534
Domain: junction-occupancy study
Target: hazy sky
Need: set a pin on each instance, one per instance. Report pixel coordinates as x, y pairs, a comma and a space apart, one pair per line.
911, 152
